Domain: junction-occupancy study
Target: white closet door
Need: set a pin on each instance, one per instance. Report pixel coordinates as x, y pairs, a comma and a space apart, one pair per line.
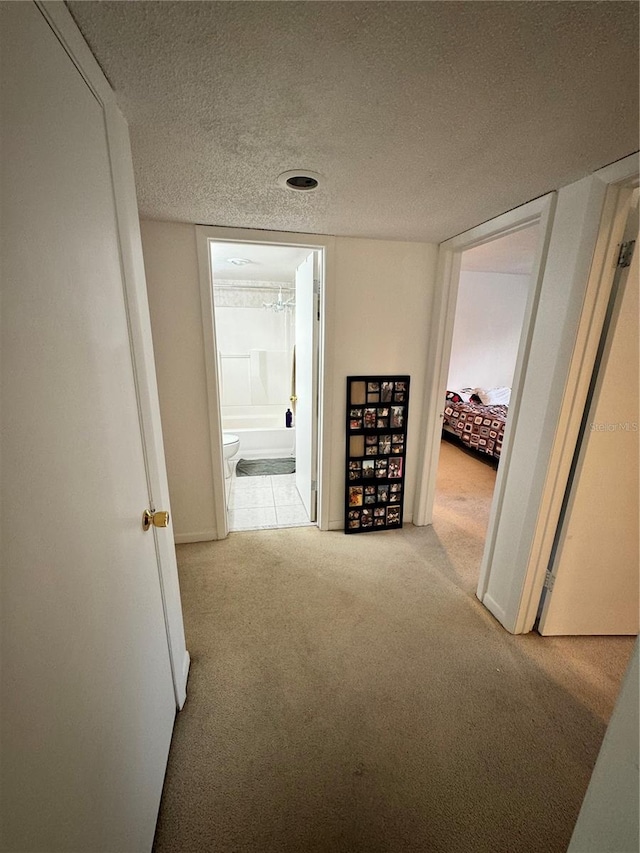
87, 696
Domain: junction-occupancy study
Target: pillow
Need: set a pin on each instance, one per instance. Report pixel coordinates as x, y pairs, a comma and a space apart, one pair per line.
464, 394
453, 397
493, 396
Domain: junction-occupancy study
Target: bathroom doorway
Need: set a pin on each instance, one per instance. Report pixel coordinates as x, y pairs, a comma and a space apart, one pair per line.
266, 313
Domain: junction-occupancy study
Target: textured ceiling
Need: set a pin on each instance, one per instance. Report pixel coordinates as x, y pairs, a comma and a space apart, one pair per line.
425, 118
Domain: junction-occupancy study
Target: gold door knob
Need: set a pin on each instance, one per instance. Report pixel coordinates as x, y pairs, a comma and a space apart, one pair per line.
158, 519
293, 399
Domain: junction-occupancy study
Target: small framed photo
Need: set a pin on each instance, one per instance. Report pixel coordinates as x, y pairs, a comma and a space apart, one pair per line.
373, 387
397, 448
369, 418
355, 495
396, 487
366, 519
383, 493
386, 390
397, 417
369, 490
379, 512
381, 468
398, 397
393, 515
371, 451
353, 513
355, 473
355, 423
369, 499
373, 398
401, 386
368, 467
371, 439
394, 498
355, 465
395, 468
397, 439
384, 445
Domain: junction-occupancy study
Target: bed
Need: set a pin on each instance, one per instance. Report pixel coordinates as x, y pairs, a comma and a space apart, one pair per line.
478, 426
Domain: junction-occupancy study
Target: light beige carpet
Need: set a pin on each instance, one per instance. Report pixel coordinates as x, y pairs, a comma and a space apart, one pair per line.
348, 694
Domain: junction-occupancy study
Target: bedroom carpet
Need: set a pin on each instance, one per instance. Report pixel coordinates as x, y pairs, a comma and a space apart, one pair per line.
464, 490
349, 695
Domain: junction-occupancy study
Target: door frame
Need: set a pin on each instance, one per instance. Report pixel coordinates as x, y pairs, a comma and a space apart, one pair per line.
584, 229
206, 234
615, 184
138, 320
537, 212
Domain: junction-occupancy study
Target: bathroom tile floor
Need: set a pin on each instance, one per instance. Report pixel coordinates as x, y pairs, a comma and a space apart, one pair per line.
256, 503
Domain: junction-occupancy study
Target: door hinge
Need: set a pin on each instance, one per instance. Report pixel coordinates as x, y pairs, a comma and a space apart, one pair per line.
549, 580
625, 254
316, 286
314, 485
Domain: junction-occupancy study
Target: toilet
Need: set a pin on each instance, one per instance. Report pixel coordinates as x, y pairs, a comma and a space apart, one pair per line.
231, 445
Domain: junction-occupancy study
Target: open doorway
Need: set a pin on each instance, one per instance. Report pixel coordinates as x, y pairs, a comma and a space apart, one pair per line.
265, 301
493, 291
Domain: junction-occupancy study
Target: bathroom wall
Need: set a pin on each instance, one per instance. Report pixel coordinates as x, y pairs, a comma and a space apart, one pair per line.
255, 345
379, 304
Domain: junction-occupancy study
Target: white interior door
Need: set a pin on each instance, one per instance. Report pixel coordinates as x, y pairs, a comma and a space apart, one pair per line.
595, 565
306, 417
87, 696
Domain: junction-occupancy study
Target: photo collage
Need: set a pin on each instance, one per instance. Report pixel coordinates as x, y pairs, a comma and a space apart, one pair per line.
377, 408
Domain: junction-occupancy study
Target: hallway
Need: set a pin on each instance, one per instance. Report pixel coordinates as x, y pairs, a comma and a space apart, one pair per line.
349, 694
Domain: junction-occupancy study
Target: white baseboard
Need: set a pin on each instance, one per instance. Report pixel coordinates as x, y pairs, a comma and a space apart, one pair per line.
184, 676
185, 538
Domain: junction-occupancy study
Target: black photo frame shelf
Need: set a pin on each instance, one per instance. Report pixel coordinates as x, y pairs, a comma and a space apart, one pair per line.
377, 414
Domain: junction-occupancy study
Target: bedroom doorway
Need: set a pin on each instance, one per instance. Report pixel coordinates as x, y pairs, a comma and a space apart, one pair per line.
494, 286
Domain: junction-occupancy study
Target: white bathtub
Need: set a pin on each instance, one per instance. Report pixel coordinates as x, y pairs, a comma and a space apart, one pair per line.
261, 431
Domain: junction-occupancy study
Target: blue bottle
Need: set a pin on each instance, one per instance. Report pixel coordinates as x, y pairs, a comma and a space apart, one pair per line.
288, 418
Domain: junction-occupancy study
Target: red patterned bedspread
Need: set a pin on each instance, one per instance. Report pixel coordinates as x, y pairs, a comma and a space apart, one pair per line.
479, 427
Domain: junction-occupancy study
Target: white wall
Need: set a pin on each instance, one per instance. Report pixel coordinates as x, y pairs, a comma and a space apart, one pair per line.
380, 302
383, 304
174, 302
255, 345
489, 314
608, 819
